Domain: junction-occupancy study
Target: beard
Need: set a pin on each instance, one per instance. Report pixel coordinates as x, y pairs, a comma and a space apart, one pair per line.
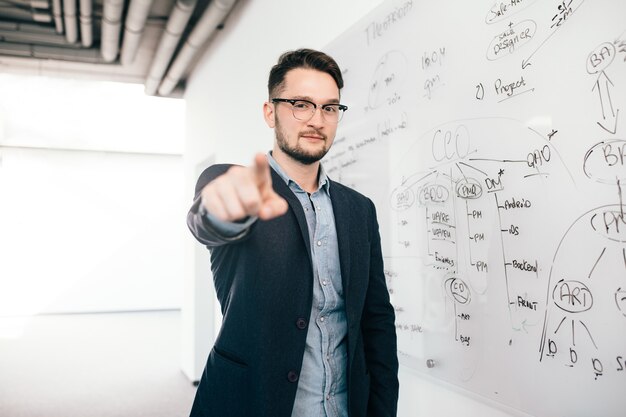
296, 152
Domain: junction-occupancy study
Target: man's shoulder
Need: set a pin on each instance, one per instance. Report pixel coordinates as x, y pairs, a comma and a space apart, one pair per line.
210, 173
349, 193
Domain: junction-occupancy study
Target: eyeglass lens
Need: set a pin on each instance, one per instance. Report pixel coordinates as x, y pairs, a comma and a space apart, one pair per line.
303, 110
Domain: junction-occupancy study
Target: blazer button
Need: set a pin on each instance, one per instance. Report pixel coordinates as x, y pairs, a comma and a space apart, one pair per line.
292, 376
301, 323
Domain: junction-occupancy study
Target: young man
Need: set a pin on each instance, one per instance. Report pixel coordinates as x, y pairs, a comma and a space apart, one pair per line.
307, 330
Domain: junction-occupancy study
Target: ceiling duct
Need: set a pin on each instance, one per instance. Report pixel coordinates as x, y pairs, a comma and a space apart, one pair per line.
133, 29
169, 41
213, 16
86, 23
39, 4
111, 27
42, 17
33, 34
69, 18
15, 13
41, 11
56, 14
81, 38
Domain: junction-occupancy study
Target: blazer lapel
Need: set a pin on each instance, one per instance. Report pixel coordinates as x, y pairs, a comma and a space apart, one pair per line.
284, 191
341, 210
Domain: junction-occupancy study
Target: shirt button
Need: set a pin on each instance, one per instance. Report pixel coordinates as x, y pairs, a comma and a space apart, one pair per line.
324, 282
328, 397
301, 323
319, 243
292, 376
321, 318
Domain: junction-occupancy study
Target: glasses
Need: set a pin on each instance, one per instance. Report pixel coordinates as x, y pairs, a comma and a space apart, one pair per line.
304, 109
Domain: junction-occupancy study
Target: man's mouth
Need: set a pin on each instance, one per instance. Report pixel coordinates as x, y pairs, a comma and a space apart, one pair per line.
312, 136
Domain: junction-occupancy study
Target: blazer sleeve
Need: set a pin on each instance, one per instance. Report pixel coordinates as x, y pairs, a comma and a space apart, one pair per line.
203, 229
379, 334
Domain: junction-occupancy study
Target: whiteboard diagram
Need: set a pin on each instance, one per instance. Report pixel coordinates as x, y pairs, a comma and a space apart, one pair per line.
491, 138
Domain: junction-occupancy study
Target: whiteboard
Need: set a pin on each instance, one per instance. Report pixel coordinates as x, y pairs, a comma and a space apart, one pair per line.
492, 138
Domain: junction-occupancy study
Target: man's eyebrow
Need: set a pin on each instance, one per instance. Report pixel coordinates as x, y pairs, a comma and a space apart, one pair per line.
308, 98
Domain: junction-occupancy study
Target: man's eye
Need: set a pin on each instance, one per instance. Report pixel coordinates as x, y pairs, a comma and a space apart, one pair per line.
301, 105
331, 109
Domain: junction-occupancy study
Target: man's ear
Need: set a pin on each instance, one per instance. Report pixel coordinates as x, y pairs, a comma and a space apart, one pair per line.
268, 114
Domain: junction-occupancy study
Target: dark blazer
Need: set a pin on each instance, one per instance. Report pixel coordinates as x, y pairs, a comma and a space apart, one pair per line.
264, 283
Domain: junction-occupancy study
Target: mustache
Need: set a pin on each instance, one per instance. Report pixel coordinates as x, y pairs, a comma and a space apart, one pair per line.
313, 132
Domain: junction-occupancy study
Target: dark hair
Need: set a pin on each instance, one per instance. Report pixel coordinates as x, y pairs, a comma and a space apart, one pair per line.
302, 58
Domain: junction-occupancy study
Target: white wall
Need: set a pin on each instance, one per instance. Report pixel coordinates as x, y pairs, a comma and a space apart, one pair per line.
224, 121
87, 231
90, 197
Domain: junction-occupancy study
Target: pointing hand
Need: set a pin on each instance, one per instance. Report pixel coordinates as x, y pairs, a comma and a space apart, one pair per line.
242, 192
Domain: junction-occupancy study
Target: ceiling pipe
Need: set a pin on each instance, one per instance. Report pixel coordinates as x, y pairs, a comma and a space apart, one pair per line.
111, 27
30, 33
212, 17
169, 41
133, 29
39, 4
11, 12
69, 18
28, 13
56, 13
41, 17
86, 23
41, 11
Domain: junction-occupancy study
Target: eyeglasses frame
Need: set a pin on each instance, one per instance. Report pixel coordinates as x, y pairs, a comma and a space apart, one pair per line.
292, 101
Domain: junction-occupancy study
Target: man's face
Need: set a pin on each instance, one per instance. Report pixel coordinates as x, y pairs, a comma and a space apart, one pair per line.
305, 141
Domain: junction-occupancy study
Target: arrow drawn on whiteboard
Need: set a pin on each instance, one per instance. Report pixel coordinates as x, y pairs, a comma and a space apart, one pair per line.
526, 62
603, 84
573, 331
461, 171
621, 200
413, 179
554, 132
597, 262
524, 325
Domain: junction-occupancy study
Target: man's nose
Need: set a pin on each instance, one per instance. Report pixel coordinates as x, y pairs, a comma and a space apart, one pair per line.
318, 118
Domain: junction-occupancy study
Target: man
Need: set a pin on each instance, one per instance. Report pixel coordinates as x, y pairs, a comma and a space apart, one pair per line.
307, 330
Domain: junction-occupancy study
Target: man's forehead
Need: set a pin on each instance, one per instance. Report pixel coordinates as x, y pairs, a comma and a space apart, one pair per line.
310, 84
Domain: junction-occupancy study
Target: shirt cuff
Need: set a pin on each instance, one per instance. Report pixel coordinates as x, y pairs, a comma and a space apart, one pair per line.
224, 228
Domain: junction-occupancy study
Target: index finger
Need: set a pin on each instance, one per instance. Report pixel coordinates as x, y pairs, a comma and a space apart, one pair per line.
262, 170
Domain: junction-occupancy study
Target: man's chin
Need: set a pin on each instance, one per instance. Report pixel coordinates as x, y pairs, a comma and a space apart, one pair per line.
307, 158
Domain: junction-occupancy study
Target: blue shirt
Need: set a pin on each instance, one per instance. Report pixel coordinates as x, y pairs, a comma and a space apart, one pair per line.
322, 386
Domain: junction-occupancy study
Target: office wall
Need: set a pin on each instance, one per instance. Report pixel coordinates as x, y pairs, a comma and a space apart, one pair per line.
224, 121
87, 231
90, 193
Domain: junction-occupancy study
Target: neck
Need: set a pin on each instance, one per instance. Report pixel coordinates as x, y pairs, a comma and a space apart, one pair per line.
306, 176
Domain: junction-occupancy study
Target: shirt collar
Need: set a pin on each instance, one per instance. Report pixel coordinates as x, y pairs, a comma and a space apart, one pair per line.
323, 181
